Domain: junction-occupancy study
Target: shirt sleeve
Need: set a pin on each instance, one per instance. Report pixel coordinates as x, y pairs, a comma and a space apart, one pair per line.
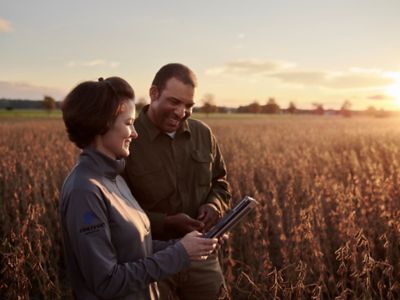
89, 236
161, 245
220, 193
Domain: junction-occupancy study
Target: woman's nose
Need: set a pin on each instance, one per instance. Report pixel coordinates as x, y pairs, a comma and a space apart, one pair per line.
134, 133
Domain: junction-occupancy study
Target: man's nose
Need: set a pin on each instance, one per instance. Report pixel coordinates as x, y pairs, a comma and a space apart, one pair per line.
180, 112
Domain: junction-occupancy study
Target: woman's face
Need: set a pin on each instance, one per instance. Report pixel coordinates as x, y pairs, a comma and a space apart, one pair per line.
115, 142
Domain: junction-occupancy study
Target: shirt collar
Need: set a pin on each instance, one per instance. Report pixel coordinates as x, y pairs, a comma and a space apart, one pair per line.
153, 131
101, 163
185, 128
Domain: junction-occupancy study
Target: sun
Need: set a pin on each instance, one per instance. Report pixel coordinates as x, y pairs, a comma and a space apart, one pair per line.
393, 90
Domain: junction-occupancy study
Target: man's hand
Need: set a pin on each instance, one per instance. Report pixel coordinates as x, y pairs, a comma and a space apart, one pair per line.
183, 224
209, 215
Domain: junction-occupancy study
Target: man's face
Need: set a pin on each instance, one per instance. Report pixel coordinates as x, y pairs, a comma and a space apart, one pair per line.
172, 106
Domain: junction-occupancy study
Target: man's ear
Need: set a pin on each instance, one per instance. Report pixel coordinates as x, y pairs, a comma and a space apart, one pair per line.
153, 92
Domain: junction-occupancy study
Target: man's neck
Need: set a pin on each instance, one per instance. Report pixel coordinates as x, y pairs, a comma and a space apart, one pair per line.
150, 115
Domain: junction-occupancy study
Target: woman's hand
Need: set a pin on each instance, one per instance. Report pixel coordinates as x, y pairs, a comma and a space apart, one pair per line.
198, 247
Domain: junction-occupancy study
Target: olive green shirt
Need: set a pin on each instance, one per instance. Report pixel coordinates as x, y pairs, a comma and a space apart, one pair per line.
172, 175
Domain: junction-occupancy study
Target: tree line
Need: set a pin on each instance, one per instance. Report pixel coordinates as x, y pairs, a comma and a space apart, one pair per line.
272, 107
47, 103
208, 106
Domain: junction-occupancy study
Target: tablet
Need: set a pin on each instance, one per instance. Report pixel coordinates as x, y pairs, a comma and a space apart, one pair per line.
232, 217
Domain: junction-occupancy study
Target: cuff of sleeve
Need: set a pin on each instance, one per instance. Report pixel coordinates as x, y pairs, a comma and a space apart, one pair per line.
217, 203
182, 250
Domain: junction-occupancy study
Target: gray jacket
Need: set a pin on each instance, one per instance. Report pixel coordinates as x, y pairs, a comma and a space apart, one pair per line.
107, 241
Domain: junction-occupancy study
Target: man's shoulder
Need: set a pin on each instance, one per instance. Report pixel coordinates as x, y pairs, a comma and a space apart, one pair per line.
198, 125
139, 120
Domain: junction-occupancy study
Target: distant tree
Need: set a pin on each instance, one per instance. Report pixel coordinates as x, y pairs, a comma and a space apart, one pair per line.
318, 108
49, 103
208, 104
242, 109
7, 104
223, 109
371, 111
140, 103
345, 109
254, 107
292, 109
382, 113
271, 107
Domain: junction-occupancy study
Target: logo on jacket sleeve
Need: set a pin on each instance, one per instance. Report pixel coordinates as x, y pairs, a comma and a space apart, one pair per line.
91, 222
89, 217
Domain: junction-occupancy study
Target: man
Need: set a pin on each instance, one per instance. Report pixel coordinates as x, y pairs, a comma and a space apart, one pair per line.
177, 174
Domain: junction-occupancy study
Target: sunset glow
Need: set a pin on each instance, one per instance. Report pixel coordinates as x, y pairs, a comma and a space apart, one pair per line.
393, 90
291, 51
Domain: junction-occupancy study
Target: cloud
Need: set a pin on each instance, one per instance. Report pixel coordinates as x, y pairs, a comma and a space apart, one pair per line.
5, 26
248, 67
23, 90
92, 63
348, 80
378, 97
301, 77
288, 73
351, 81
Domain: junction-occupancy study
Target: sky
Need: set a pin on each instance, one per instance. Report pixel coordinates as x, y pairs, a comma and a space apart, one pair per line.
306, 51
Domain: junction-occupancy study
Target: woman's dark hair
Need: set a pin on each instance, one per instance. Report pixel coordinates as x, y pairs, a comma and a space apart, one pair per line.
174, 70
91, 108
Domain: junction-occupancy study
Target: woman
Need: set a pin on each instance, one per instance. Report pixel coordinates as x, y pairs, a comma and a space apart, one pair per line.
107, 240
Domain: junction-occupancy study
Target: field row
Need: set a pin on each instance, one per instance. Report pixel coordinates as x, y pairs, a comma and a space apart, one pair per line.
328, 225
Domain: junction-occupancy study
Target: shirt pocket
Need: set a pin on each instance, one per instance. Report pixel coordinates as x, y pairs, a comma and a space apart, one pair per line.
202, 162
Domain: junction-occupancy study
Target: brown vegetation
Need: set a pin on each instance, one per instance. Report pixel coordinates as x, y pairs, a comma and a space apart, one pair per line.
328, 226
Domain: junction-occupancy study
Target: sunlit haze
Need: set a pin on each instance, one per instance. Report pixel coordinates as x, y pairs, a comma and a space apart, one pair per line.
242, 51
393, 90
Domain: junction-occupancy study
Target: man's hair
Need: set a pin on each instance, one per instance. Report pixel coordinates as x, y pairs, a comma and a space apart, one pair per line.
91, 108
174, 70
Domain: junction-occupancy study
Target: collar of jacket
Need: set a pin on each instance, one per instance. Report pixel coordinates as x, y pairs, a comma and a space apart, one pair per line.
101, 163
153, 131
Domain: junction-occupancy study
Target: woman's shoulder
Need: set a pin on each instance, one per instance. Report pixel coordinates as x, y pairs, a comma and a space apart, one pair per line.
81, 186
81, 179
